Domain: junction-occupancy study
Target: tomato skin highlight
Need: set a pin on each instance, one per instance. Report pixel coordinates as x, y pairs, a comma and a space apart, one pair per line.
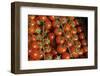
60, 40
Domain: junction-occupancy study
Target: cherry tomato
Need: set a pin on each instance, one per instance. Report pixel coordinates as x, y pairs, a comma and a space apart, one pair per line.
79, 29
67, 27
85, 48
77, 44
56, 24
75, 54
52, 18
33, 38
69, 43
31, 30
83, 42
44, 18
48, 25
65, 55
72, 49
75, 37
51, 36
68, 35
81, 36
36, 55
54, 52
60, 40
81, 52
58, 32
35, 45
73, 31
61, 49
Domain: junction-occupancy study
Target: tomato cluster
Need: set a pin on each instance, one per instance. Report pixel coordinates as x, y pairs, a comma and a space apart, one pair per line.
55, 37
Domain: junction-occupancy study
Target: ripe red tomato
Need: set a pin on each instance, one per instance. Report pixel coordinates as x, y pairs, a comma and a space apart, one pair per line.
75, 54
81, 36
60, 40
35, 45
48, 25
65, 55
85, 48
44, 18
72, 49
58, 31
61, 49
36, 55
51, 36
69, 43
75, 37
52, 18
73, 31
83, 42
31, 30
55, 24
68, 35
54, 52
79, 29
33, 38
80, 51
67, 27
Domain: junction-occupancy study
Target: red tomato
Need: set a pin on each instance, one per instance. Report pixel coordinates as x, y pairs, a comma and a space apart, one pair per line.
61, 49
44, 18
60, 40
31, 30
36, 55
65, 55
33, 38
81, 52
51, 36
75, 54
77, 44
72, 49
68, 35
67, 27
81, 36
54, 52
79, 29
69, 43
85, 48
83, 42
73, 31
35, 45
48, 25
56, 24
52, 18
58, 32
75, 37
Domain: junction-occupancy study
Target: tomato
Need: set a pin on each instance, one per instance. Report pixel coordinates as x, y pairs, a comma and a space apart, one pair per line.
83, 42
48, 25
76, 22
75, 37
85, 48
58, 31
67, 27
80, 51
75, 54
68, 35
52, 18
65, 55
56, 24
54, 52
36, 55
77, 44
51, 36
69, 43
34, 38
48, 56
73, 31
35, 45
31, 19
79, 29
61, 49
31, 30
44, 18
81, 36
72, 49
60, 40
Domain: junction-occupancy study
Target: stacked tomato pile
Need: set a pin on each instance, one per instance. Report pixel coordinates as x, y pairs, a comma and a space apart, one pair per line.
55, 37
